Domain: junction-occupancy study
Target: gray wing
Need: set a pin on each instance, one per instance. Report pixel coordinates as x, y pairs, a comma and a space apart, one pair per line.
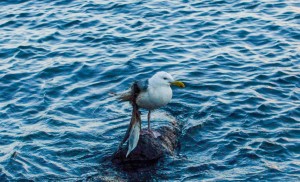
126, 96
142, 85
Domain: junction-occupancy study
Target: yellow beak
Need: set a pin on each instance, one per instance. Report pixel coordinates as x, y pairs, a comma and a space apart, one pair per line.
178, 84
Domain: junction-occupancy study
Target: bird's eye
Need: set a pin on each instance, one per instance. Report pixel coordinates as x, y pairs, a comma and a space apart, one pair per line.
165, 78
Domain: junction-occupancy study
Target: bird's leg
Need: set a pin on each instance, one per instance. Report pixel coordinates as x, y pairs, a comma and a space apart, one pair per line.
151, 132
149, 113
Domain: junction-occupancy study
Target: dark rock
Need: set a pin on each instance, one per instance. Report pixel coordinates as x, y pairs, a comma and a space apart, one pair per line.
149, 149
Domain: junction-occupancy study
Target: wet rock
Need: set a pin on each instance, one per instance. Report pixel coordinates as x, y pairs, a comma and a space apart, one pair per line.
150, 149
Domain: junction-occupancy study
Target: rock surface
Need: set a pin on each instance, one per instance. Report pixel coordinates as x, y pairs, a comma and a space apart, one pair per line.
149, 149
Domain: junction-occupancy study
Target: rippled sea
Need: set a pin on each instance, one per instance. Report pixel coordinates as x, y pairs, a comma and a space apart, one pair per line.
239, 113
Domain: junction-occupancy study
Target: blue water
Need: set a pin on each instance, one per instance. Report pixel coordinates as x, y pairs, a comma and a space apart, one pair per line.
239, 112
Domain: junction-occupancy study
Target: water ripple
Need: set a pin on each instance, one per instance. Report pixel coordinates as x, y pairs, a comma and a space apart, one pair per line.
239, 113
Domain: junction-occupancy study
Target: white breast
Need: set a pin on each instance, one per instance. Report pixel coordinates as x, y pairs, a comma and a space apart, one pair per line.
155, 97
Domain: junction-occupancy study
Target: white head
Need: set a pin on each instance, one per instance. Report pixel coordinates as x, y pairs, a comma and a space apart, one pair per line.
164, 79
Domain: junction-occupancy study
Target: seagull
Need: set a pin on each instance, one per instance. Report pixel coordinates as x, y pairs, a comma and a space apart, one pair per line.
149, 94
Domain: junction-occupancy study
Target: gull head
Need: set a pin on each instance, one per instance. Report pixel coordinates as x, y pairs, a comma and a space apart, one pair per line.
164, 79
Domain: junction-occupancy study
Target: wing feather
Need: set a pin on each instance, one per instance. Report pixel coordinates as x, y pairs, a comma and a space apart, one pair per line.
134, 128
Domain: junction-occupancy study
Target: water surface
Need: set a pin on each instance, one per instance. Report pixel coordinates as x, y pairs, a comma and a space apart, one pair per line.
239, 113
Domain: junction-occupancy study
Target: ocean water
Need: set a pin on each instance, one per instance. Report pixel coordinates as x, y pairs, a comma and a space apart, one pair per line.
239, 113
